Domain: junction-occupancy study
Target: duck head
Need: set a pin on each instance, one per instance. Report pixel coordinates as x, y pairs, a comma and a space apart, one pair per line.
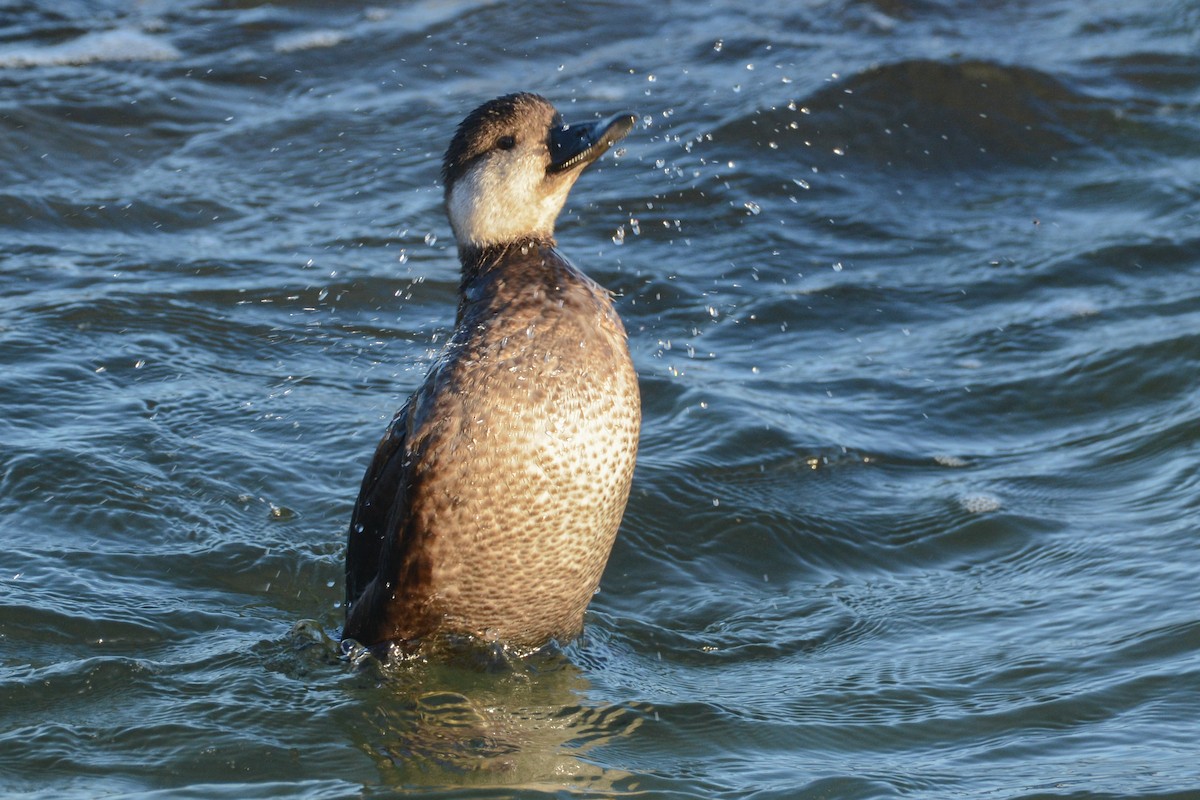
511, 164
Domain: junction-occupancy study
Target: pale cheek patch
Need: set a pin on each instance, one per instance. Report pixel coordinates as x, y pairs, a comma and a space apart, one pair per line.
505, 199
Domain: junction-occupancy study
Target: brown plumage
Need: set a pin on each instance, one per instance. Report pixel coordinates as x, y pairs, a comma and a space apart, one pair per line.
491, 504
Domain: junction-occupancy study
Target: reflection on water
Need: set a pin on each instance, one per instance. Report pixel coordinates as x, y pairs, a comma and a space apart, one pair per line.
471, 716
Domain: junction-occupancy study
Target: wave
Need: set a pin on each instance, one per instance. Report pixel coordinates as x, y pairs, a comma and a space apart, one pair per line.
116, 45
933, 115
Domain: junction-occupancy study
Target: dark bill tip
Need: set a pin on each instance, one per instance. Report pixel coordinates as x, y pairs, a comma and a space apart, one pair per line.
575, 145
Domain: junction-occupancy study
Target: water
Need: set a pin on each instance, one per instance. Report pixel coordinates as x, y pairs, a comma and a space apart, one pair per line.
914, 293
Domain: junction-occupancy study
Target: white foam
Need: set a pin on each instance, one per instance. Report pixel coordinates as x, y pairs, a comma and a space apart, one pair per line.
947, 460
979, 503
103, 46
310, 40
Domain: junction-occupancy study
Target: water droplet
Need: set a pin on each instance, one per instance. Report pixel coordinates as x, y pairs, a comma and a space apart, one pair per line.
752, 207
141, 362
619, 236
402, 257
321, 295
635, 226
431, 239
718, 44
837, 267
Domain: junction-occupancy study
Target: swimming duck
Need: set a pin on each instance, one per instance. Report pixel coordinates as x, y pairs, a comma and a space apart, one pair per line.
490, 506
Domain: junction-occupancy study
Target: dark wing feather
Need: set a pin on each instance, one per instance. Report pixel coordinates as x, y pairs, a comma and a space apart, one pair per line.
376, 505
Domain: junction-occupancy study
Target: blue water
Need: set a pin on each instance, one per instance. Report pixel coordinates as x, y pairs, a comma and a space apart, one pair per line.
913, 289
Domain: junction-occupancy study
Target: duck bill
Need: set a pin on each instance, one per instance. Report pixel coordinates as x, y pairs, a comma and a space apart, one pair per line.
575, 146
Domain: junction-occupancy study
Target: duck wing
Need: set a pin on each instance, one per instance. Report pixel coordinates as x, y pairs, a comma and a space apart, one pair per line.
381, 501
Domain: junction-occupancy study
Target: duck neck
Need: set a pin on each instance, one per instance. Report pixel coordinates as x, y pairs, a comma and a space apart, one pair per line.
493, 268
478, 260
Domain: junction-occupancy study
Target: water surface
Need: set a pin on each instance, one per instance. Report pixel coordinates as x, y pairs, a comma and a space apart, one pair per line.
913, 289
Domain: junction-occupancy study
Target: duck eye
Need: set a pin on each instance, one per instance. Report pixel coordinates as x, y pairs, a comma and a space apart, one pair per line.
507, 142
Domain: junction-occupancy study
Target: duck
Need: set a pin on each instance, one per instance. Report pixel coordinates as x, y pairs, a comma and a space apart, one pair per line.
491, 504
